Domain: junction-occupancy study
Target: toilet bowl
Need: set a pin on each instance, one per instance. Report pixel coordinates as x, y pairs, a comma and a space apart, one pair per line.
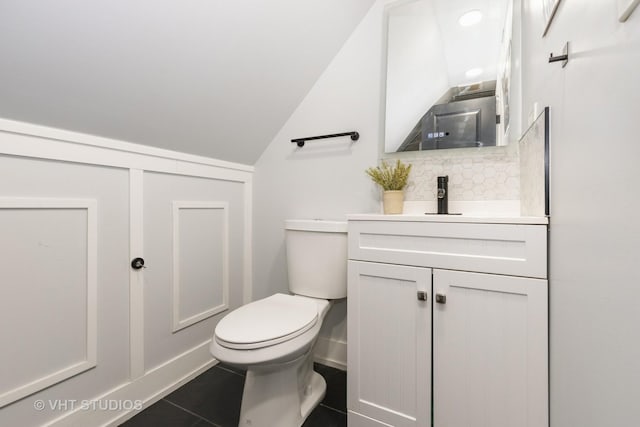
273, 338
277, 356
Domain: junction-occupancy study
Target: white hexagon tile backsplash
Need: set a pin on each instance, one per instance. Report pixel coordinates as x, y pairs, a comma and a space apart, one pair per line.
488, 173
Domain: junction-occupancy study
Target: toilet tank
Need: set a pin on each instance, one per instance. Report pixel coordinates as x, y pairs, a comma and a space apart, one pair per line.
317, 258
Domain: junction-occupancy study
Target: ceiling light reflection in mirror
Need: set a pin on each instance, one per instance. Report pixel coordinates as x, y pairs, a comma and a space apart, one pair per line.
470, 18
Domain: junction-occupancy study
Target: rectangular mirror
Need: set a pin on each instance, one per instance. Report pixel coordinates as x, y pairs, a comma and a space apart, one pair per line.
450, 74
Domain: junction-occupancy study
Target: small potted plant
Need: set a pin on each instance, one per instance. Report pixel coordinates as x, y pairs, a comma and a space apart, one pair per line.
392, 179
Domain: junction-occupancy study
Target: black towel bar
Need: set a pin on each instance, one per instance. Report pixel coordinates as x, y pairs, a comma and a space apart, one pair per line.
300, 141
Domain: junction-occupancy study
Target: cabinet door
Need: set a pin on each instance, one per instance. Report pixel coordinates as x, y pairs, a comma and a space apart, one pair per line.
389, 355
490, 351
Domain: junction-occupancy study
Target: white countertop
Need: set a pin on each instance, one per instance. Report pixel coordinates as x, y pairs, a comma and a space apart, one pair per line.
451, 218
479, 212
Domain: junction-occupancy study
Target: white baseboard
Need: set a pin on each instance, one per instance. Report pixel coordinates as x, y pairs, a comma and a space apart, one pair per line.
164, 379
331, 353
149, 388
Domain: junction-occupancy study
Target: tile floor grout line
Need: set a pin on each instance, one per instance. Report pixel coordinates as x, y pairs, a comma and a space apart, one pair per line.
229, 370
192, 413
333, 409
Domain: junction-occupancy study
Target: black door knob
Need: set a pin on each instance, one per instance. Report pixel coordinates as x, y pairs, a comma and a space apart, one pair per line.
137, 263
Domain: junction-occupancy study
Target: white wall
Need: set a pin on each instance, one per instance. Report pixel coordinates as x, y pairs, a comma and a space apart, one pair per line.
324, 179
594, 292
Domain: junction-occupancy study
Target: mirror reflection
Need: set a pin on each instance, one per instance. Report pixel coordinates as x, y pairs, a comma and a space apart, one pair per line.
448, 74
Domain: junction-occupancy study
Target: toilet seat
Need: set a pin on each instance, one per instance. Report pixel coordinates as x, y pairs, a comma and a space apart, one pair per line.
267, 322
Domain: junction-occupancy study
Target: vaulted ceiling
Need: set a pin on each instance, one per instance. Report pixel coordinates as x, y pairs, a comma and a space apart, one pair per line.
216, 78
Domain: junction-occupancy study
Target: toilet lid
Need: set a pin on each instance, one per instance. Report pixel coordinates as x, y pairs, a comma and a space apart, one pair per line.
266, 322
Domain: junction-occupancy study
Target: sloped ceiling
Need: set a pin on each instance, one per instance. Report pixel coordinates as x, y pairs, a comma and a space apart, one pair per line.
216, 78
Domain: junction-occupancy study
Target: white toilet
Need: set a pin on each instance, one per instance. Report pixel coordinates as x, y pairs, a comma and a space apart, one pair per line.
273, 338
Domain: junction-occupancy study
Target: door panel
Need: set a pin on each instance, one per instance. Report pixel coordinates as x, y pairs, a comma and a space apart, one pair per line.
64, 296
489, 350
389, 354
194, 269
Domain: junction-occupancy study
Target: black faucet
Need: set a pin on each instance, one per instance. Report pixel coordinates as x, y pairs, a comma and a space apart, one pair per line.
443, 194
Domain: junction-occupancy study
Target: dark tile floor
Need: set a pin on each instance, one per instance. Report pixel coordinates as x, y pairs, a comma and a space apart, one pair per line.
213, 399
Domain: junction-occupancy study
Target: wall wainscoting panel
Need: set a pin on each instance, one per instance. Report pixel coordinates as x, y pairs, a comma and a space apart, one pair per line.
200, 261
82, 324
194, 270
48, 307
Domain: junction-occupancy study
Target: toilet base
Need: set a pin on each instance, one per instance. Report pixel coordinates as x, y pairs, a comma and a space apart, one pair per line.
281, 395
317, 393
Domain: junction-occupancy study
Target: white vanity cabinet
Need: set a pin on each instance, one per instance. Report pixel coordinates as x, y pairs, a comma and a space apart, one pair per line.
447, 315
